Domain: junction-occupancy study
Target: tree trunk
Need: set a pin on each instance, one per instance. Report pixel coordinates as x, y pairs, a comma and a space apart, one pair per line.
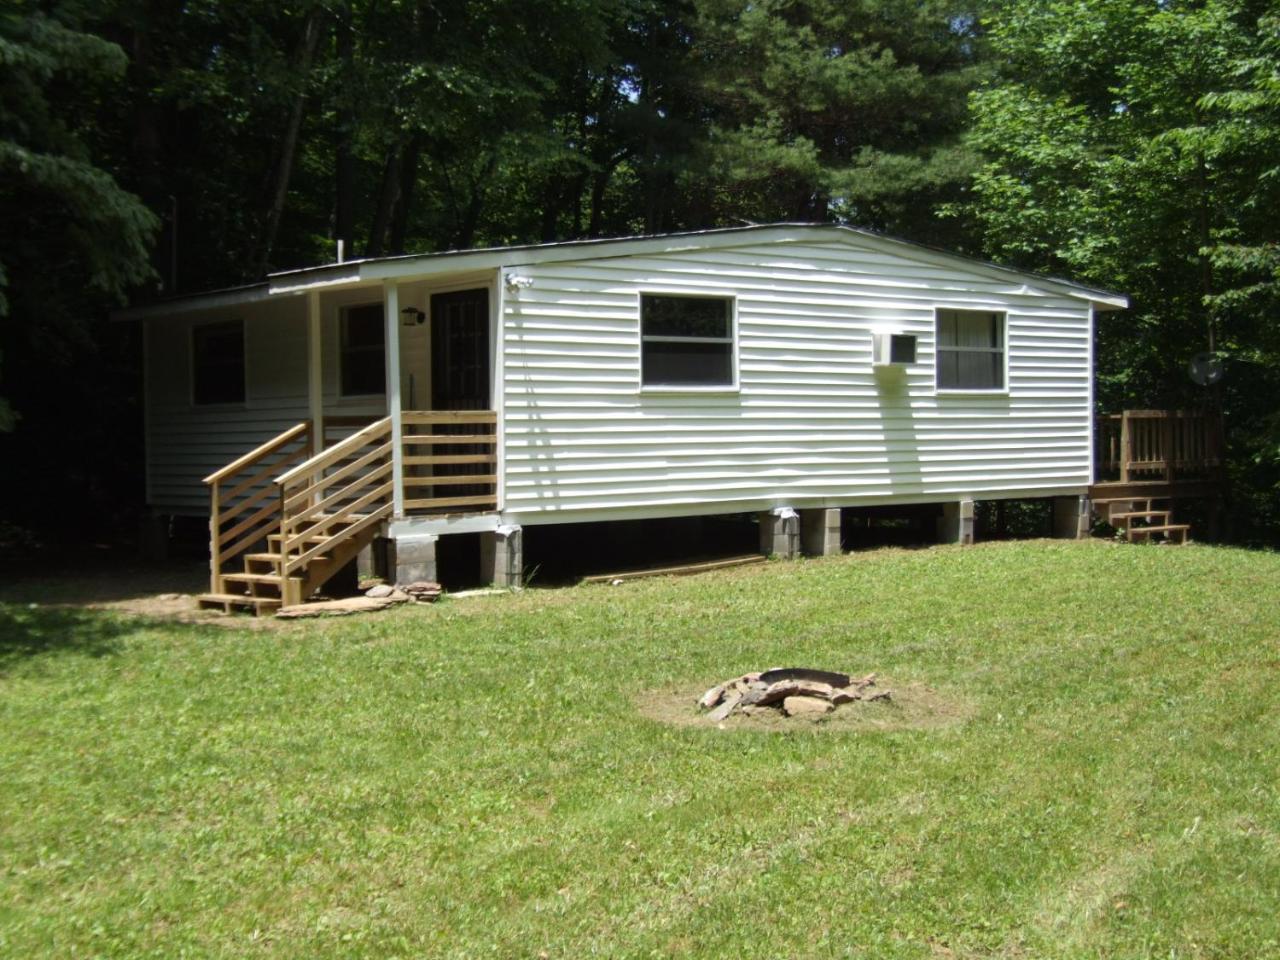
475, 204
344, 164
404, 199
599, 184
289, 142
386, 201
550, 212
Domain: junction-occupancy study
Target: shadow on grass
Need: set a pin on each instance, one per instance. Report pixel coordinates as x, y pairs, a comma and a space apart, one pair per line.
104, 579
27, 632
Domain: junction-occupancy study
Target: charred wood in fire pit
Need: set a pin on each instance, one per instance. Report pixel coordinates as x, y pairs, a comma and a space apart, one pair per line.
803, 673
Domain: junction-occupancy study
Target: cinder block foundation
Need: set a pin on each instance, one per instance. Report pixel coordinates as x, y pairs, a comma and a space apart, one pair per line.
502, 557
1071, 518
820, 532
780, 533
411, 558
956, 525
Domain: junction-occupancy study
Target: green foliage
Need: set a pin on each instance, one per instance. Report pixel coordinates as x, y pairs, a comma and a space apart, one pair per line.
851, 110
1135, 146
476, 778
67, 223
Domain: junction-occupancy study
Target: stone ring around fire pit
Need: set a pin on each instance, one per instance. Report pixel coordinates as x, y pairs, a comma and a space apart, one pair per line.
793, 691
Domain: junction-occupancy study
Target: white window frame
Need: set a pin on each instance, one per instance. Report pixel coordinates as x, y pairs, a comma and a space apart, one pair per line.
1003, 349
343, 312
711, 388
244, 364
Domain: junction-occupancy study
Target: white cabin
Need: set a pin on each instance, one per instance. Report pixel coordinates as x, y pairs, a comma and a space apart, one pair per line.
781, 369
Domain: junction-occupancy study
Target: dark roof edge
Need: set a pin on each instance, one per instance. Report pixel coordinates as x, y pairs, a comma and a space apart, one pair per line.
246, 292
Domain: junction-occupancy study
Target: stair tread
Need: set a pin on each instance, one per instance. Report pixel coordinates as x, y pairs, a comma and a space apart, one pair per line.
1163, 528
257, 577
242, 598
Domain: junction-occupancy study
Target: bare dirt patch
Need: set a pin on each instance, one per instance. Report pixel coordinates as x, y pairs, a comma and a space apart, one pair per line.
914, 706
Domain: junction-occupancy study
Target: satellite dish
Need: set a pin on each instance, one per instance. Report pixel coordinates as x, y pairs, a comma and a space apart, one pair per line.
1205, 369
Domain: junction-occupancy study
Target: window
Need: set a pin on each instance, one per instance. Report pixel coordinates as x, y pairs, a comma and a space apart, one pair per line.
217, 363
686, 341
970, 350
364, 365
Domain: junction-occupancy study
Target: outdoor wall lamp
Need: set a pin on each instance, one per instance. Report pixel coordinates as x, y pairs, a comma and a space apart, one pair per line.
516, 284
413, 316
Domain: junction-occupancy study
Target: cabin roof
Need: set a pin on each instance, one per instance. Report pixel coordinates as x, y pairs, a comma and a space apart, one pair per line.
421, 265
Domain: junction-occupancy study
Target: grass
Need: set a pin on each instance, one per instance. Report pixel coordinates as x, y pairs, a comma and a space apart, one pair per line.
474, 779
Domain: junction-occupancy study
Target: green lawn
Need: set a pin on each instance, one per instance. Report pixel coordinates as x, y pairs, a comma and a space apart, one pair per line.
474, 778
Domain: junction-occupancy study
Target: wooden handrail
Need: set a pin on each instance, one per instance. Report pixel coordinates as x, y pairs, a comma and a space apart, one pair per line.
416, 417
335, 453
352, 478
235, 496
257, 453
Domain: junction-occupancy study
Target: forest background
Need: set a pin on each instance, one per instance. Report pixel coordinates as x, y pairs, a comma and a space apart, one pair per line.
150, 148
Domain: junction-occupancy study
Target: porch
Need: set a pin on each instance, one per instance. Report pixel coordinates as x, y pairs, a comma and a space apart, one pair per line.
288, 515
1149, 460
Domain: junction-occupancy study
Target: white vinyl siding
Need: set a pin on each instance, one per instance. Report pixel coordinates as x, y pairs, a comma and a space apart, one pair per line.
813, 423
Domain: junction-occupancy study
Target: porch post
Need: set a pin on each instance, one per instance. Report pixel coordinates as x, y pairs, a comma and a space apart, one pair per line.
315, 382
391, 309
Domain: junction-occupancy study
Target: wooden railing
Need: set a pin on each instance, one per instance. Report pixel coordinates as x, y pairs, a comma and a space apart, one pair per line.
334, 495
315, 500
450, 461
243, 510
1158, 445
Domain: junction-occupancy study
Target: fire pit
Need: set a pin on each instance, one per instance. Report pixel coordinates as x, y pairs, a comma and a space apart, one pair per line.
792, 691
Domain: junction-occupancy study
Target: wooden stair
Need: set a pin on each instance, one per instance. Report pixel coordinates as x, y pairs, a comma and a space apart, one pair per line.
310, 520
261, 588
1139, 519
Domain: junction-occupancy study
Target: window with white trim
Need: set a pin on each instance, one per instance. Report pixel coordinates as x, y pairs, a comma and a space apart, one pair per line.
363, 361
686, 341
217, 363
970, 350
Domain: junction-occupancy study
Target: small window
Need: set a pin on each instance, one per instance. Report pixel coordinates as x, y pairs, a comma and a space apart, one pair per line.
970, 350
217, 363
364, 365
686, 341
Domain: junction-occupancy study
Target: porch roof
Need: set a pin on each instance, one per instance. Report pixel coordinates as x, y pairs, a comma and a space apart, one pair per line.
354, 273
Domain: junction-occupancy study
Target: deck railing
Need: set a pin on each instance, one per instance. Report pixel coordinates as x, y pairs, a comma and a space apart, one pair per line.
450, 461
1158, 445
243, 509
310, 499
334, 495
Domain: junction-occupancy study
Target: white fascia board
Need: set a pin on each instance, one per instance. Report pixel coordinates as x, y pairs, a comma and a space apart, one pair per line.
195, 303
314, 278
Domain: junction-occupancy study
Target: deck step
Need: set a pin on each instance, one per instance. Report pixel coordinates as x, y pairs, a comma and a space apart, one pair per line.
1142, 515
1168, 529
227, 601
271, 578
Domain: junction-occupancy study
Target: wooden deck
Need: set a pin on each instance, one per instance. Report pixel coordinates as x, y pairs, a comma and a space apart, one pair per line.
1148, 461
